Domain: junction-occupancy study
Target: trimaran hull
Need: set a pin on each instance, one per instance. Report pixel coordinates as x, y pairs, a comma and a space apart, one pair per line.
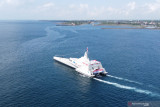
64, 61
83, 65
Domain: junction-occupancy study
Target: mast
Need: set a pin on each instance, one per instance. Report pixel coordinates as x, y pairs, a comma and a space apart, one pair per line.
86, 54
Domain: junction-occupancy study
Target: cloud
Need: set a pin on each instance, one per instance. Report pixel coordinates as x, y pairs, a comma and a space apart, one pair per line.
10, 2
84, 6
44, 8
35, 9
153, 7
131, 5
14, 3
48, 5
102, 12
72, 6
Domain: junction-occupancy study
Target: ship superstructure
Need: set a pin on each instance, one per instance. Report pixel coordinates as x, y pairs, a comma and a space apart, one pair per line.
83, 65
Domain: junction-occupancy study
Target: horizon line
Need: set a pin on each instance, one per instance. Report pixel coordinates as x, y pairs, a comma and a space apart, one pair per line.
76, 19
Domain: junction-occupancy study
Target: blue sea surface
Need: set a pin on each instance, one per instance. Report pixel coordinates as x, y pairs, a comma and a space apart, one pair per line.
29, 77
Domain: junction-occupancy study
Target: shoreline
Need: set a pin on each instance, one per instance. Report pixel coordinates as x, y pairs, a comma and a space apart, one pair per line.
133, 28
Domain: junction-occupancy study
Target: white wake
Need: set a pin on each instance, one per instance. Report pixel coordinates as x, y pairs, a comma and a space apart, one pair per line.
125, 79
129, 88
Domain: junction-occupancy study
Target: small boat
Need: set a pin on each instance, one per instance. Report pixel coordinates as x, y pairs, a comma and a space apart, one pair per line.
83, 65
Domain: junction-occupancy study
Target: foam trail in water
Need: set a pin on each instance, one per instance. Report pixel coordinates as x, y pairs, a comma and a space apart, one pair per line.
124, 79
153, 87
129, 88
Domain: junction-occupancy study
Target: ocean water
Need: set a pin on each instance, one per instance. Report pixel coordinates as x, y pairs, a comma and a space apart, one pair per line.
29, 77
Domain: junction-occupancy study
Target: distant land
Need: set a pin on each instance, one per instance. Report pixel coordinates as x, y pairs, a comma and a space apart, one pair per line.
74, 23
135, 24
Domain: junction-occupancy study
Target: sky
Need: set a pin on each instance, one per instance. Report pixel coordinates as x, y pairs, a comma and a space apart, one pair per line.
79, 9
